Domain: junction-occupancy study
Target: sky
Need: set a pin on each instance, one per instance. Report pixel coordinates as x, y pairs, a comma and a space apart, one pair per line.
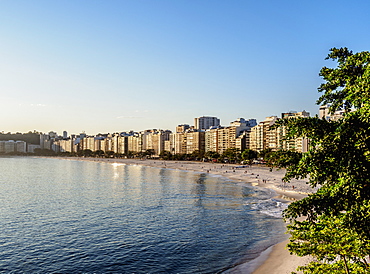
104, 66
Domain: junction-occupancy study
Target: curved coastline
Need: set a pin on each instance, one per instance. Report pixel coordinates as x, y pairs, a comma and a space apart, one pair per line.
274, 260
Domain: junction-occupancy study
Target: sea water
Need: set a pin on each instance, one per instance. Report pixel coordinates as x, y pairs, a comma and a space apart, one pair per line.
69, 216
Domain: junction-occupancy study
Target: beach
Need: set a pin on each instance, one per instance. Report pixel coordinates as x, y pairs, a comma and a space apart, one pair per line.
274, 260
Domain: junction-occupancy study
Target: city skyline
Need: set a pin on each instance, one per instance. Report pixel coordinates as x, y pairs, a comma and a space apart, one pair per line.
173, 129
133, 65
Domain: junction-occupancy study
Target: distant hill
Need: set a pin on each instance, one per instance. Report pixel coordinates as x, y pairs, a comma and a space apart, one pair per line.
30, 138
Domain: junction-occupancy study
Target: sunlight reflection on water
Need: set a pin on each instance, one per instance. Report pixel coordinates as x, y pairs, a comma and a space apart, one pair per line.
73, 216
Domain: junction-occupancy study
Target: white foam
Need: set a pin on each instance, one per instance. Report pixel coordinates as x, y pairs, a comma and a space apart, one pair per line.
269, 207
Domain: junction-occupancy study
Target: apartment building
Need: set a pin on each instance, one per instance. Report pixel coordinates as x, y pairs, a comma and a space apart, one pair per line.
182, 128
205, 122
135, 142
270, 136
120, 143
65, 145
155, 139
89, 142
178, 143
31, 148
298, 144
324, 113
211, 139
195, 140
11, 146
260, 136
263, 136
219, 139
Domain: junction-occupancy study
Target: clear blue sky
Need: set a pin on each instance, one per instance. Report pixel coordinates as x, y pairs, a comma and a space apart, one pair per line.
115, 65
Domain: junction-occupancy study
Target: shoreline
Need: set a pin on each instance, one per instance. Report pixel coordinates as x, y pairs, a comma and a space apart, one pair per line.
275, 259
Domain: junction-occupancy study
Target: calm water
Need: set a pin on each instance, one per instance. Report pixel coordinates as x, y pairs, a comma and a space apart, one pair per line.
66, 216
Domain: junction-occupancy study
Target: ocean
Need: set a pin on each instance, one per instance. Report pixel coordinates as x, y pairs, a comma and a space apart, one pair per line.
70, 216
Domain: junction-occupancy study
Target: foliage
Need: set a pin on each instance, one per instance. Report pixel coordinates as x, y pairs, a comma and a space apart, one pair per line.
65, 154
85, 153
44, 152
231, 154
109, 154
197, 154
165, 155
249, 155
212, 155
30, 137
329, 240
264, 154
149, 152
339, 163
283, 158
98, 153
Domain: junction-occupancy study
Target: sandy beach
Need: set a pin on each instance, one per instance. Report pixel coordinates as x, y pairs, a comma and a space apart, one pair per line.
274, 260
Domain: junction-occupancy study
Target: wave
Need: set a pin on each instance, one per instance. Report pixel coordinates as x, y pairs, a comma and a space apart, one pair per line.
270, 207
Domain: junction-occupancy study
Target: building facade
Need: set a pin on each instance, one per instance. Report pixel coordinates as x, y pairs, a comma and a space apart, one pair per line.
205, 122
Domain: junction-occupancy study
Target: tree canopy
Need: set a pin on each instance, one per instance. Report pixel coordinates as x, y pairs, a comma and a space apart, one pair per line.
338, 161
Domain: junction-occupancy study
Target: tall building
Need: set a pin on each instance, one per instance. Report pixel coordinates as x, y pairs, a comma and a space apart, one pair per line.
155, 139
194, 141
205, 122
135, 142
219, 139
179, 143
291, 114
324, 113
182, 128
263, 136
211, 139
120, 142
298, 144
11, 146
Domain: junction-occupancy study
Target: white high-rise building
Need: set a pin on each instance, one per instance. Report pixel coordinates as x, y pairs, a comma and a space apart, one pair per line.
324, 113
205, 122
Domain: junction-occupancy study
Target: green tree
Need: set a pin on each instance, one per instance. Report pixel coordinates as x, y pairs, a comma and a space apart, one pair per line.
249, 155
149, 152
283, 158
109, 154
165, 155
339, 163
212, 155
30, 137
231, 154
179, 156
99, 153
264, 154
139, 154
44, 152
86, 153
341, 248
130, 154
197, 154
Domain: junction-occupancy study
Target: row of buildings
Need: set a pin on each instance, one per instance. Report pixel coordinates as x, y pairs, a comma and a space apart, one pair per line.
11, 146
265, 136
206, 135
